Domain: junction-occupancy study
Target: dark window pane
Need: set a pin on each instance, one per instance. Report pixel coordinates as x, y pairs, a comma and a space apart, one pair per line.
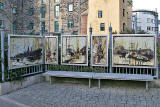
102, 26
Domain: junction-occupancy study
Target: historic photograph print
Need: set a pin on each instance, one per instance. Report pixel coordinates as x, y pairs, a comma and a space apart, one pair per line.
99, 51
24, 51
74, 50
134, 51
51, 50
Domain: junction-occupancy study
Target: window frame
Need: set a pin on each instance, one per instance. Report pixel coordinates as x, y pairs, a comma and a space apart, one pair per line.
102, 28
56, 13
69, 7
56, 26
100, 14
71, 25
31, 27
1, 6
43, 12
31, 11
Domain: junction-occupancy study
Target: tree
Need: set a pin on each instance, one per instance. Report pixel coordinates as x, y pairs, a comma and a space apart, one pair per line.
127, 31
142, 32
16, 15
6, 14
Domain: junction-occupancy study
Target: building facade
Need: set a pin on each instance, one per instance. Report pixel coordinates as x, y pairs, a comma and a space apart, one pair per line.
105, 12
19, 16
7, 13
144, 21
70, 16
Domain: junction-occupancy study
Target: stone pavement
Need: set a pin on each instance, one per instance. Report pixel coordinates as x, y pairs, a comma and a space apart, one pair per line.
76, 95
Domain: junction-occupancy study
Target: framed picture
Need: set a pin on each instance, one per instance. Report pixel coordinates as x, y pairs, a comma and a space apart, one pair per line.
24, 51
51, 50
74, 50
134, 51
99, 50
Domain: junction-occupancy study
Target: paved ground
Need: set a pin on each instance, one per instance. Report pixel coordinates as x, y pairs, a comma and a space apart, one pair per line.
75, 95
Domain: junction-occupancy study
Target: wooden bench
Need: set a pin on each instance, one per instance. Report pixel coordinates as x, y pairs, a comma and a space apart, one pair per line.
99, 76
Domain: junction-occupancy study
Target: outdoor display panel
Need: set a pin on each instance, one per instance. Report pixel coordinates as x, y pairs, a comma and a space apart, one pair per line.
24, 51
99, 50
51, 55
74, 50
134, 51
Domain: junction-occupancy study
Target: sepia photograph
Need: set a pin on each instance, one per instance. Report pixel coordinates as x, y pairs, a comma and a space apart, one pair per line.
74, 50
24, 51
99, 55
51, 50
135, 51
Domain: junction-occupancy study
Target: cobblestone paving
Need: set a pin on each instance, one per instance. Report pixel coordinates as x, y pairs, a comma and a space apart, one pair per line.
75, 95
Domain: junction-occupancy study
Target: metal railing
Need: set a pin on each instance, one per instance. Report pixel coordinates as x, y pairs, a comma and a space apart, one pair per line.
32, 70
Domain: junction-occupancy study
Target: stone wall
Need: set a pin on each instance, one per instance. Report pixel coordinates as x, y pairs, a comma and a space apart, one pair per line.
67, 16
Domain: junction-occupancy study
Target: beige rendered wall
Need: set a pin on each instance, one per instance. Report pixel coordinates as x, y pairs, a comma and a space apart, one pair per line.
110, 14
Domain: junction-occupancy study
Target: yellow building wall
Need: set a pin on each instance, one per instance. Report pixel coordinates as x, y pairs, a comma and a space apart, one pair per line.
110, 15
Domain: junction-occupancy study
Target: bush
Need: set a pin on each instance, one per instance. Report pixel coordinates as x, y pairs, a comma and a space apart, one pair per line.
158, 52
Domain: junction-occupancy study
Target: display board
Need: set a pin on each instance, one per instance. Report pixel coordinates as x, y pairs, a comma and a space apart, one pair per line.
24, 51
99, 53
51, 55
74, 50
134, 51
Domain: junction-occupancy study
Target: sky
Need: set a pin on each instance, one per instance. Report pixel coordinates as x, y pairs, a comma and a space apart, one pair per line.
147, 4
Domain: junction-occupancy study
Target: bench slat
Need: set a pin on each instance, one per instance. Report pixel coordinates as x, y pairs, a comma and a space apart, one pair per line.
91, 75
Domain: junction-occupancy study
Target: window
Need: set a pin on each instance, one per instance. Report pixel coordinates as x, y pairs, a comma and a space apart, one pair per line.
31, 11
99, 14
133, 18
1, 21
56, 1
31, 25
124, 26
1, 6
70, 7
148, 20
56, 26
153, 21
102, 26
43, 26
14, 26
123, 12
56, 11
75, 32
139, 28
43, 1
83, 1
43, 12
70, 24
148, 28
14, 10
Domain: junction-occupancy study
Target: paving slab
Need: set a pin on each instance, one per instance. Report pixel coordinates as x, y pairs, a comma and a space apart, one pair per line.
79, 95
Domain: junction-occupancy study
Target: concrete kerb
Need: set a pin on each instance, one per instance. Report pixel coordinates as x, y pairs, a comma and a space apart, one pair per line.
8, 87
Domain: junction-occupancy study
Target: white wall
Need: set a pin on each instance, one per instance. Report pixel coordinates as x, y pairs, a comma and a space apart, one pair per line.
142, 22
